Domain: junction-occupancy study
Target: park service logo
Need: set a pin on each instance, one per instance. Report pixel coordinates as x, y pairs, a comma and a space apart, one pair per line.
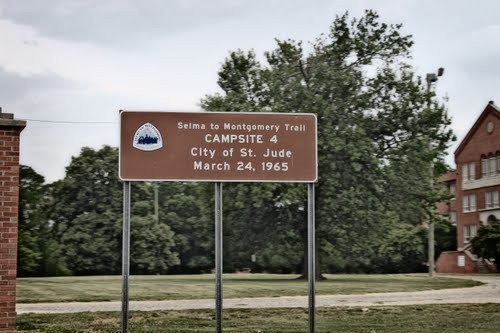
147, 138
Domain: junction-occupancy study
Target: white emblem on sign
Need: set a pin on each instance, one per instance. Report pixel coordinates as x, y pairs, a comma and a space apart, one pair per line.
147, 138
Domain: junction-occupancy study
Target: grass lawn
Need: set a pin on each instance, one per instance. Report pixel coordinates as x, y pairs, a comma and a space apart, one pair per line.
170, 287
463, 318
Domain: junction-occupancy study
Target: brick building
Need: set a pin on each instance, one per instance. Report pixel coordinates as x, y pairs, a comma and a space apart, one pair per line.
10, 130
476, 186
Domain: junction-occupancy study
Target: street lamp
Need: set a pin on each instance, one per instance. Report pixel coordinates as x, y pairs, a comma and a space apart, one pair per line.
431, 78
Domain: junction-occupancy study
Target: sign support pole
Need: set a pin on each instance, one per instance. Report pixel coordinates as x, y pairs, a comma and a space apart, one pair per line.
125, 255
218, 256
311, 256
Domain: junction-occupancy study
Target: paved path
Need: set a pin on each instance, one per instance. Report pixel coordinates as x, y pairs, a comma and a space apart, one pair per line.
488, 293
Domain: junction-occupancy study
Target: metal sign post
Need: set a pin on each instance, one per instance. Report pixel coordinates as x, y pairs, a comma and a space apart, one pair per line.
311, 239
218, 257
125, 255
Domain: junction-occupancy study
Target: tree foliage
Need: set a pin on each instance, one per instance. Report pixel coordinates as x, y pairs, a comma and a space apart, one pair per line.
379, 128
152, 246
31, 188
487, 242
185, 208
87, 214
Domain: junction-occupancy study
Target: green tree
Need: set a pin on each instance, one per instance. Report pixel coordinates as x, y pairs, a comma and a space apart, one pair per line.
91, 185
375, 120
29, 252
404, 249
445, 236
38, 251
151, 246
265, 220
92, 244
87, 212
487, 242
186, 208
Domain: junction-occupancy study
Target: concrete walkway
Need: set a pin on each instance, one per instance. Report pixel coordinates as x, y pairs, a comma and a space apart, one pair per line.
488, 293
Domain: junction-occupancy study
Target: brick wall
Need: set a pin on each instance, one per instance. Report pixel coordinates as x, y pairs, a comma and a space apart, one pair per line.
448, 263
10, 130
479, 141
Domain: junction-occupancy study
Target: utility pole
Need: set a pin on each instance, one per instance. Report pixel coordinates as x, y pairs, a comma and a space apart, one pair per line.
157, 210
431, 78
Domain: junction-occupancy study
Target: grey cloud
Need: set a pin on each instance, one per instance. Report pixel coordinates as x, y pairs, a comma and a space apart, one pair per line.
483, 67
115, 22
14, 86
481, 61
123, 23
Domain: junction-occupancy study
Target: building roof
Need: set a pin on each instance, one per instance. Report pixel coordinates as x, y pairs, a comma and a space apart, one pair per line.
448, 177
490, 108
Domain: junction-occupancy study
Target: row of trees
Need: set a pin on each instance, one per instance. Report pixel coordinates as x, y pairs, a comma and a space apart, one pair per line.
379, 129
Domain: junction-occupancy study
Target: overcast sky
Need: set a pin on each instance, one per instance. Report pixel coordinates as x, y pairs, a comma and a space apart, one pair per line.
83, 60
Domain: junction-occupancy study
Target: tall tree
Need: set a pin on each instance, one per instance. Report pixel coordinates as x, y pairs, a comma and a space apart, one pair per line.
91, 185
30, 253
87, 213
375, 120
186, 209
152, 246
38, 251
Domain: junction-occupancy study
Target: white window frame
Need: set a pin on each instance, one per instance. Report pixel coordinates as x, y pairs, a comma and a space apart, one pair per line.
472, 200
492, 199
453, 189
468, 171
467, 233
473, 230
453, 218
484, 167
489, 199
465, 172
470, 231
492, 166
472, 171
469, 203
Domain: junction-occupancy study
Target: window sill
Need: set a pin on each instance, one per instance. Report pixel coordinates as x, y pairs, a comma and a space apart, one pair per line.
487, 209
481, 182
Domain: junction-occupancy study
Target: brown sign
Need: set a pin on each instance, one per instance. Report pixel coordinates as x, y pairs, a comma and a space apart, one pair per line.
209, 146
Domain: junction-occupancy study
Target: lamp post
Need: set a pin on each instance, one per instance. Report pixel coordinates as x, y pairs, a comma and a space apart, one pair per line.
431, 78
156, 205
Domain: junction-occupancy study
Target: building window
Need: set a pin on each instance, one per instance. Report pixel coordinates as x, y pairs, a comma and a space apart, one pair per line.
453, 189
492, 199
468, 171
469, 203
490, 166
453, 218
493, 166
470, 231
484, 166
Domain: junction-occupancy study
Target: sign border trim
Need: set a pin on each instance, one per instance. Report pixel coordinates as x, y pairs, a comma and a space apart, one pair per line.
218, 180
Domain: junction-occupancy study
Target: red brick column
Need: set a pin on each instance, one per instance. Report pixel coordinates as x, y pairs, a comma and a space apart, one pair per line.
10, 130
